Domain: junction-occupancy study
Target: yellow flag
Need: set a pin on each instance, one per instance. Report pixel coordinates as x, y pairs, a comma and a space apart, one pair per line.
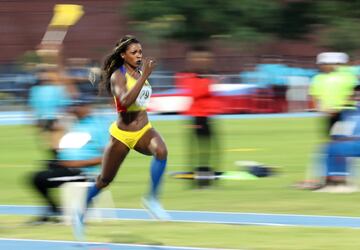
66, 14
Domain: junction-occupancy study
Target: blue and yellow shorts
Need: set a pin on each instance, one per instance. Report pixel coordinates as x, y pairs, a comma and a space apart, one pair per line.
129, 138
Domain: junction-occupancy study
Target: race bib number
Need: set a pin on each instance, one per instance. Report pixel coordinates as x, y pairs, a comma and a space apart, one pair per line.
143, 98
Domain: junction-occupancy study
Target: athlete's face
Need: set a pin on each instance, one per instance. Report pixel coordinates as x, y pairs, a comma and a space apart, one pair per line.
133, 55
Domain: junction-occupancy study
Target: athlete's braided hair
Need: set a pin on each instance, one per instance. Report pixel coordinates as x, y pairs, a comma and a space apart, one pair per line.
114, 61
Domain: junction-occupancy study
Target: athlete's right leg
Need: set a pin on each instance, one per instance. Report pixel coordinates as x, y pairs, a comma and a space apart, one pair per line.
114, 155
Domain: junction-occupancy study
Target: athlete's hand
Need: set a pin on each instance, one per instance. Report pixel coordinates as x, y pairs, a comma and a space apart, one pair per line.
149, 65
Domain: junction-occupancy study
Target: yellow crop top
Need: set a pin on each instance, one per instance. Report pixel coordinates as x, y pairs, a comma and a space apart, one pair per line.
141, 101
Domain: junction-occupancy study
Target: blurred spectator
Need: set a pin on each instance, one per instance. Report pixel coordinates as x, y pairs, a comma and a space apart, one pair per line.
79, 155
250, 75
298, 81
275, 72
274, 69
197, 82
331, 90
280, 87
78, 67
78, 71
333, 86
345, 143
48, 99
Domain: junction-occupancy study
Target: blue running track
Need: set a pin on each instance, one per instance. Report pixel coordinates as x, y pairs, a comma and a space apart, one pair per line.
212, 217
23, 244
177, 216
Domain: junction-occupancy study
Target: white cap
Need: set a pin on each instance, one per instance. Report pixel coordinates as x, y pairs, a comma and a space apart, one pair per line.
332, 58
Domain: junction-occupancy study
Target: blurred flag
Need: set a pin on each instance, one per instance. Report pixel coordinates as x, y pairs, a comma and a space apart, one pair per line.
66, 14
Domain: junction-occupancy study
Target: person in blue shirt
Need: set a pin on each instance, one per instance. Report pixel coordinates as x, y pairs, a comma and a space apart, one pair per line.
48, 100
345, 143
79, 155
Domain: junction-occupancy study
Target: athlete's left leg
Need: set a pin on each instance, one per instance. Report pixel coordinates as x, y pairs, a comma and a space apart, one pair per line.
153, 144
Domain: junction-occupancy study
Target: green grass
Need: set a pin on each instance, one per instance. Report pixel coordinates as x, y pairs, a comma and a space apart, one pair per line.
286, 143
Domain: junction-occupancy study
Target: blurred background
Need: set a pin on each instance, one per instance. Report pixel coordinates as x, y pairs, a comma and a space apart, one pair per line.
265, 49
261, 57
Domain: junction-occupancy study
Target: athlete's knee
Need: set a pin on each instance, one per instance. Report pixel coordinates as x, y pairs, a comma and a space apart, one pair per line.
102, 182
161, 153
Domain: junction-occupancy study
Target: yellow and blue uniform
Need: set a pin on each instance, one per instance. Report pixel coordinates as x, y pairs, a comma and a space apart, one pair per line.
130, 138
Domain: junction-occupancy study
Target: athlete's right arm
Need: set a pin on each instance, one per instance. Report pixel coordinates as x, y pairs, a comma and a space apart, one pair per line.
118, 83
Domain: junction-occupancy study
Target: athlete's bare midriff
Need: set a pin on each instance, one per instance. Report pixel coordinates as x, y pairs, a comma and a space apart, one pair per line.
132, 121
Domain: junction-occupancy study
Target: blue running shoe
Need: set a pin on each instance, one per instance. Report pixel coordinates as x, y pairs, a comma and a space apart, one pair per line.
78, 225
155, 209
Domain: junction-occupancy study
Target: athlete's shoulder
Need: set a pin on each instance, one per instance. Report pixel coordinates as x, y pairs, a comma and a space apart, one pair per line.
117, 75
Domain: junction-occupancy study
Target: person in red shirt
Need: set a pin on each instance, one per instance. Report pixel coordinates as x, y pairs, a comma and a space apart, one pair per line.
197, 84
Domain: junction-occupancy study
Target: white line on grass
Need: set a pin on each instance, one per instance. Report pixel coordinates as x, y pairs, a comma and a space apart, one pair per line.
213, 222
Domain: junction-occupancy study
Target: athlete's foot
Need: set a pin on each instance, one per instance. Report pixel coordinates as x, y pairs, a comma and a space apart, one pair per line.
155, 209
78, 225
